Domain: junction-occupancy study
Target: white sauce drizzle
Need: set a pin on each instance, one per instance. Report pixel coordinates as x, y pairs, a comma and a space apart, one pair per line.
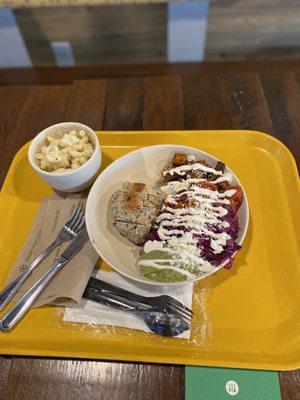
191, 167
176, 186
180, 244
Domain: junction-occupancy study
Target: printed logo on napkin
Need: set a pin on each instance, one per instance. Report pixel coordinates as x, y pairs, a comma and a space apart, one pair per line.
23, 268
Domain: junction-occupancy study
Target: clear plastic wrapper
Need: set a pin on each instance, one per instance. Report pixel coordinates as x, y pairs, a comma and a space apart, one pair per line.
94, 318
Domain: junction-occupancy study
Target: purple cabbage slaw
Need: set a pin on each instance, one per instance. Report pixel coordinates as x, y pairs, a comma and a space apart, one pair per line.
206, 251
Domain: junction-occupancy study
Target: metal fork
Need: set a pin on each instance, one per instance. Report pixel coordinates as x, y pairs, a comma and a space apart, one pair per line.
71, 228
163, 303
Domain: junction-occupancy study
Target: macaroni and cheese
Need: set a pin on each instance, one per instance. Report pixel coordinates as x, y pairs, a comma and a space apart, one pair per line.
69, 152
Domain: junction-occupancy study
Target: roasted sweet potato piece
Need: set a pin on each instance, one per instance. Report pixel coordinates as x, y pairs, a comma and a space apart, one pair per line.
179, 159
210, 176
220, 166
204, 162
222, 186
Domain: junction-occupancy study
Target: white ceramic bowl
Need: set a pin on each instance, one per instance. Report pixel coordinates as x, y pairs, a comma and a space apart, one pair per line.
73, 180
136, 166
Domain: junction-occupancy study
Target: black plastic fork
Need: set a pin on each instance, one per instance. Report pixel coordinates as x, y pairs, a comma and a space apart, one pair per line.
164, 303
161, 323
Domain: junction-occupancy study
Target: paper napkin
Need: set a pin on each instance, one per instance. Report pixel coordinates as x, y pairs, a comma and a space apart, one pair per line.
68, 286
90, 312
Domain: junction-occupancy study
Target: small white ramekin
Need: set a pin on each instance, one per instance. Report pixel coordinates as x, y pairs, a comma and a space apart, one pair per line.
73, 180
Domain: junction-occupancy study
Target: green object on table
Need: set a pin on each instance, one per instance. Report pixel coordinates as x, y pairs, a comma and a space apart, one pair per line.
225, 383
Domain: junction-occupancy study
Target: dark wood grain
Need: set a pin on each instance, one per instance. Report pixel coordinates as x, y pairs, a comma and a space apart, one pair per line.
163, 107
5, 364
203, 105
244, 102
290, 385
91, 380
25, 111
297, 78
52, 76
83, 94
225, 102
283, 97
270, 103
124, 104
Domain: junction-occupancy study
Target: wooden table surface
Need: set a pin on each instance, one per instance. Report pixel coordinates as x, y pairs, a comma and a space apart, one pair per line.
268, 102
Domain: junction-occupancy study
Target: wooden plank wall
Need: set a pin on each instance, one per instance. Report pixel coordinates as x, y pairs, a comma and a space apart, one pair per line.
236, 29
243, 29
98, 34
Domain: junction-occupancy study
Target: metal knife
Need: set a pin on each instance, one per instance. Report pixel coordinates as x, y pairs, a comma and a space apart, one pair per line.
13, 316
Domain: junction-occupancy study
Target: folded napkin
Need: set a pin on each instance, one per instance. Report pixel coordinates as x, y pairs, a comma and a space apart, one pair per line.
90, 312
68, 286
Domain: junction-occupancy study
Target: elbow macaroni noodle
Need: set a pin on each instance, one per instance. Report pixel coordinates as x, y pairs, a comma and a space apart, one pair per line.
69, 152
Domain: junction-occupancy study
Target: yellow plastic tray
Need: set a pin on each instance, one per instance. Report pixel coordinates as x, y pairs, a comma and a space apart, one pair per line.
255, 306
